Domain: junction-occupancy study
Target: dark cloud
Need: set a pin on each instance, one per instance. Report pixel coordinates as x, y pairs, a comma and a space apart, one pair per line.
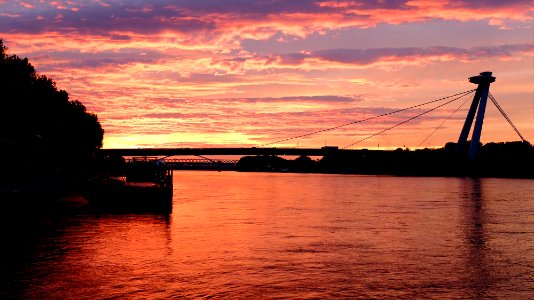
369, 56
251, 7
492, 3
84, 60
120, 37
93, 18
192, 16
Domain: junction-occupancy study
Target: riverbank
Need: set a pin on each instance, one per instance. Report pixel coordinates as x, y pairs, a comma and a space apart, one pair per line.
498, 160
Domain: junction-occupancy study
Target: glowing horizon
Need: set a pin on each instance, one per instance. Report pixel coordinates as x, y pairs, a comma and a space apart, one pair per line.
246, 73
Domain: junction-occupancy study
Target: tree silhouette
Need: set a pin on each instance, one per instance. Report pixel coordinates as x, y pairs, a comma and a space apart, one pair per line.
39, 126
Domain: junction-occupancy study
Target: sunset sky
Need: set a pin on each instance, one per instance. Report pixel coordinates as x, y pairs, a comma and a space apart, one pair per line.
197, 73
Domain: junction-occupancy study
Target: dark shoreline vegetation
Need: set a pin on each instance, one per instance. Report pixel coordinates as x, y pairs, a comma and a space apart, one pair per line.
48, 142
49, 146
506, 160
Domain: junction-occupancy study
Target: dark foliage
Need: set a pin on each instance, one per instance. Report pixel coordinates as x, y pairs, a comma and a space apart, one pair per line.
40, 129
272, 163
511, 159
263, 163
303, 164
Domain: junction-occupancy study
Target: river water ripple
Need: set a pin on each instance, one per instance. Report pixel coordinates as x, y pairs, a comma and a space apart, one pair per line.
278, 236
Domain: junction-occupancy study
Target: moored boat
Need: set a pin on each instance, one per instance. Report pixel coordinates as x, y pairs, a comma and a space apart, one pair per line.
144, 184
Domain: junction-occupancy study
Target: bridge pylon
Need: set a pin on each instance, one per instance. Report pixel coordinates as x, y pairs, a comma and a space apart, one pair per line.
478, 106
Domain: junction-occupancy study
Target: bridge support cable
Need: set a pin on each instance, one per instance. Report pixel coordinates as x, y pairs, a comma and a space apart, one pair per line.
505, 116
437, 128
364, 120
408, 120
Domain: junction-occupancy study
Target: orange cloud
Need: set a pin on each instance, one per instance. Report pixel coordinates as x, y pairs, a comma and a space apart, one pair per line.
169, 74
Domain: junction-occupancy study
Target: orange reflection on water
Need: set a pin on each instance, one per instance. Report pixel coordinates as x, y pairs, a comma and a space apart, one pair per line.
272, 235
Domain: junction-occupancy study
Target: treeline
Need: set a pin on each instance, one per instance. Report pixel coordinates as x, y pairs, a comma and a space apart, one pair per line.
510, 159
43, 134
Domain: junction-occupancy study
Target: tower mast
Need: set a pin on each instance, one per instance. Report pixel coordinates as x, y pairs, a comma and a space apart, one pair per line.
478, 106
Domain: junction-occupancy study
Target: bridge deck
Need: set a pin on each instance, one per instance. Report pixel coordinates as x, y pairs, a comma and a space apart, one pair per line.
221, 151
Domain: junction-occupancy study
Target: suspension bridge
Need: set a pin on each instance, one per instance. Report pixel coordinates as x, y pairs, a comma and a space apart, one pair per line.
478, 108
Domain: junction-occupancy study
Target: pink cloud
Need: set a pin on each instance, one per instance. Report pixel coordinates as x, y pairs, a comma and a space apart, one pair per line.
231, 20
184, 69
365, 57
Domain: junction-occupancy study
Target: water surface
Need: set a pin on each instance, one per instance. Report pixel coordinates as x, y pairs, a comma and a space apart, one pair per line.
271, 235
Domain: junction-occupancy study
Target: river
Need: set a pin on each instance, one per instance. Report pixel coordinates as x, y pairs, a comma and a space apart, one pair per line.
238, 235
